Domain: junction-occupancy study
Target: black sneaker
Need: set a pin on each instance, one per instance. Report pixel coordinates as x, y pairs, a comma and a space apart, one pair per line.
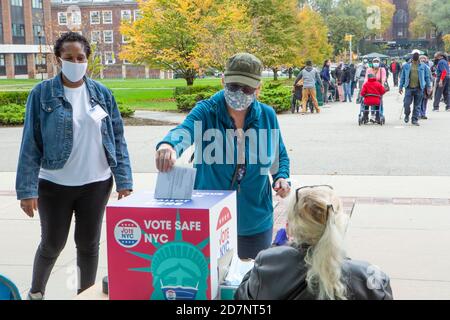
415, 123
406, 119
424, 117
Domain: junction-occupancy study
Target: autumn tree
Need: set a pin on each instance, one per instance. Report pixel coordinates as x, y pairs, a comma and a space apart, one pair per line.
312, 38
175, 34
429, 15
274, 37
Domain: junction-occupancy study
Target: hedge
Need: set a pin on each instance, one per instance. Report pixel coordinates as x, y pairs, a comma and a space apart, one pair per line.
274, 94
12, 114
187, 97
13, 97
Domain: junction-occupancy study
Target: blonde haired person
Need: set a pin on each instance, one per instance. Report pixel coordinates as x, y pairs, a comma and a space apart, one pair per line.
314, 265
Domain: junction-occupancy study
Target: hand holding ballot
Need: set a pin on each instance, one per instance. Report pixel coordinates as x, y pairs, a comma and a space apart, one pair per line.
165, 157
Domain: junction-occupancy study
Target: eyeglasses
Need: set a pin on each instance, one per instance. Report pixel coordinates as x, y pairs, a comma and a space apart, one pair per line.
234, 87
314, 186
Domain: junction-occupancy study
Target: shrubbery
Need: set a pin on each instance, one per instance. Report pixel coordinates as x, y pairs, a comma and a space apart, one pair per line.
276, 95
12, 114
125, 111
13, 97
187, 97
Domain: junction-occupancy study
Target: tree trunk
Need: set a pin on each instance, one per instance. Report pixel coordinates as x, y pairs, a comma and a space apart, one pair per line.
440, 42
190, 80
275, 74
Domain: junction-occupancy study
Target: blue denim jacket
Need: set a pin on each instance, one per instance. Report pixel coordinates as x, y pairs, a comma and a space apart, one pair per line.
424, 76
48, 135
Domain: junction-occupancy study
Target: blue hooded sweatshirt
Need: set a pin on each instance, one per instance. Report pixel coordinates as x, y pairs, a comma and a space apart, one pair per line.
216, 167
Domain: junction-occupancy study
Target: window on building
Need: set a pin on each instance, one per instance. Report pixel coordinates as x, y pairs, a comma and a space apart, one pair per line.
76, 17
1, 33
95, 17
16, 3
18, 30
107, 17
125, 39
433, 34
109, 57
38, 31
62, 18
125, 15
137, 14
20, 63
108, 36
2, 65
40, 59
126, 62
96, 36
36, 4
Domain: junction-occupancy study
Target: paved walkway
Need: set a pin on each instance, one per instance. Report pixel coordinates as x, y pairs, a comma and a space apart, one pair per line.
401, 224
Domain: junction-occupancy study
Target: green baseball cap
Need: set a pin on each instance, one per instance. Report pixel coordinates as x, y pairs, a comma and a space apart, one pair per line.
243, 68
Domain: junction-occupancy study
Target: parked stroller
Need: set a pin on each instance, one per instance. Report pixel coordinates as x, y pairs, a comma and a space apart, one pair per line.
375, 111
296, 103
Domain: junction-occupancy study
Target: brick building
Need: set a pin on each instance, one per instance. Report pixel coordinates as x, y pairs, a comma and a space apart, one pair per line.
99, 21
399, 38
25, 38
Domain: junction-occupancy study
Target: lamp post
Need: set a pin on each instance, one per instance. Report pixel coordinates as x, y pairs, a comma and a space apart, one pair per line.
40, 54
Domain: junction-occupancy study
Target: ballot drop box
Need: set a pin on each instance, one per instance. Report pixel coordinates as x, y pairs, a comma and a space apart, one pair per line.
169, 249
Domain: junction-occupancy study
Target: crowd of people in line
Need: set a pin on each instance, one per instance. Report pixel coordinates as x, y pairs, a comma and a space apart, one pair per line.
417, 76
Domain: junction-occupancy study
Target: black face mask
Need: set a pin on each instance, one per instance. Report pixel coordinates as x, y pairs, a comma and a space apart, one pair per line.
436, 61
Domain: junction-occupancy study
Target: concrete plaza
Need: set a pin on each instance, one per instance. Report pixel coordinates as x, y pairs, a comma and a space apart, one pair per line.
398, 175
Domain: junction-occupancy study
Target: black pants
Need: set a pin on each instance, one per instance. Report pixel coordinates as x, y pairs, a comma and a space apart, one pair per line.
57, 204
442, 91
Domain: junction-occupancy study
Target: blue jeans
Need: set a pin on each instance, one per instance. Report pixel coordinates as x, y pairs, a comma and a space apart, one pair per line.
250, 246
423, 105
348, 91
413, 95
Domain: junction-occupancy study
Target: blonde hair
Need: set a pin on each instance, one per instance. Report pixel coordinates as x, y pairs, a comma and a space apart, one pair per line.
317, 220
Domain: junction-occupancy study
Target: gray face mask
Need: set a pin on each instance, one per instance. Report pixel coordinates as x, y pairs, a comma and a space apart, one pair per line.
238, 100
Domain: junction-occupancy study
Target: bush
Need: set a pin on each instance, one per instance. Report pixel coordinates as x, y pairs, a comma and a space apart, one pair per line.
125, 111
187, 97
276, 96
197, 89
13, 97
12, 114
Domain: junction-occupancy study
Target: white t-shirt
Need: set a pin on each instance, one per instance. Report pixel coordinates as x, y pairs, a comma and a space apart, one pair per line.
87, 162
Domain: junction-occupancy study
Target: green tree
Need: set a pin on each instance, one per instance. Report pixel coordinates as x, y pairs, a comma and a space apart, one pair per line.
430, 15
95, 62
274, 32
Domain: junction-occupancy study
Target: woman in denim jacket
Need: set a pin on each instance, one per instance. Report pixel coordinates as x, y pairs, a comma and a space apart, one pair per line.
72, 146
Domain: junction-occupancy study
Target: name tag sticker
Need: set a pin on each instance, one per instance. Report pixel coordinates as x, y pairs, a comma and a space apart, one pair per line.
97, 113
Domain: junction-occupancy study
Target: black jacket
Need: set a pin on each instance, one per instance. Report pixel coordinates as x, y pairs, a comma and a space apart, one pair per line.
280, 272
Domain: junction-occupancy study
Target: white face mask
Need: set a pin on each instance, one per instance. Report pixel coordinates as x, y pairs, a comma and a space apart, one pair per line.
74, 72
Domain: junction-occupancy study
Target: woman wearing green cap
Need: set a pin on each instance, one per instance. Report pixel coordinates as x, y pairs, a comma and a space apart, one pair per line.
238, 145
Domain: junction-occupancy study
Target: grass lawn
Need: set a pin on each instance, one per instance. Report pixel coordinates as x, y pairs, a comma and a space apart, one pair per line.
150, 94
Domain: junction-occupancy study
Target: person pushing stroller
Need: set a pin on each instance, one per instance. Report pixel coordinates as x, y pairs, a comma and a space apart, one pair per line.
372, 93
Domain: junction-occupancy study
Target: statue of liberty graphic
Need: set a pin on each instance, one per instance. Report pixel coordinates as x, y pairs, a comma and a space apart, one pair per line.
180, 270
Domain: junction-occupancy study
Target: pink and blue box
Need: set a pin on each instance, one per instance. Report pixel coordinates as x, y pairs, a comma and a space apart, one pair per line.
170, 249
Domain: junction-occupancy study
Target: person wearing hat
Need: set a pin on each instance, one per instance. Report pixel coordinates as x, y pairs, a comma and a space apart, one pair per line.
442, 81
237, 145
377, 70
415, 78
372, 92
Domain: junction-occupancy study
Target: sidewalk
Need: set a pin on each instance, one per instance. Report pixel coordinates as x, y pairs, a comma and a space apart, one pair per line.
401, 224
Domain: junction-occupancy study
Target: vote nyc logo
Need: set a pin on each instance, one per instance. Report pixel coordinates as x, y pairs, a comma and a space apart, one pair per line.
127, 233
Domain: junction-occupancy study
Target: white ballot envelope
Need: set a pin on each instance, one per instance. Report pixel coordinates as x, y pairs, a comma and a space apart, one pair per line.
176, 184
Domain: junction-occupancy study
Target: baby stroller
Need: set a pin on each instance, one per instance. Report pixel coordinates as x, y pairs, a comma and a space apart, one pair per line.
332, 92
377, 114
296, 104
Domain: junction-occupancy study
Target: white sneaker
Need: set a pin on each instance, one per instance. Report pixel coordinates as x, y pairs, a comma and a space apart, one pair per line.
35, 296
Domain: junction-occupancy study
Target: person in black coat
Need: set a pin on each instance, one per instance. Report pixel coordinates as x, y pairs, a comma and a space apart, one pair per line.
314, 264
